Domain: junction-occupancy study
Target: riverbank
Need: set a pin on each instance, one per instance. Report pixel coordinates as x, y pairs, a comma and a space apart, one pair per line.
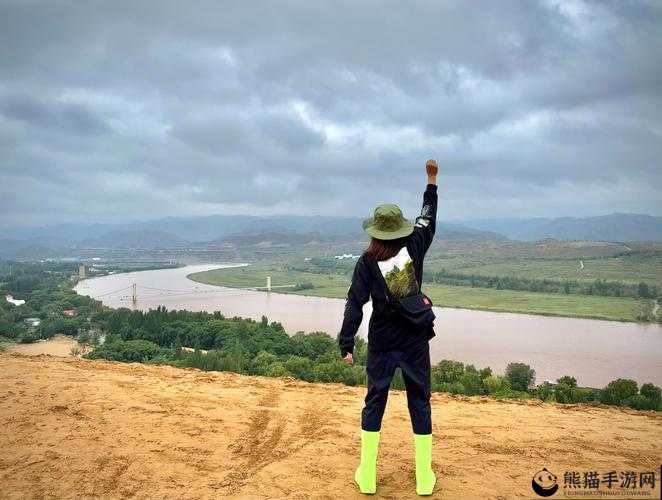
595, 352
114, 430
484, 299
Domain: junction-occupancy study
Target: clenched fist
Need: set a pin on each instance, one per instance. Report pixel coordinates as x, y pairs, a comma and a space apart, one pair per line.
432, 169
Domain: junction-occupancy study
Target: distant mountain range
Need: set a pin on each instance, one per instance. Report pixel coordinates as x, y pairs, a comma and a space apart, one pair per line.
282, 236
614, 227
140, 239
245, 230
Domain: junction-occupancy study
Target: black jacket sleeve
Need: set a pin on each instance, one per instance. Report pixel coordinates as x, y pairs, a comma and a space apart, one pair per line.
426, 223
357, 295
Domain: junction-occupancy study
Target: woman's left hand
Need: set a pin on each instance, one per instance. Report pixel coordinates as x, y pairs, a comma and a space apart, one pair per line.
349, 359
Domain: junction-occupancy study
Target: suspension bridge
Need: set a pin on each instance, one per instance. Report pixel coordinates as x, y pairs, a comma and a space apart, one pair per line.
134, 292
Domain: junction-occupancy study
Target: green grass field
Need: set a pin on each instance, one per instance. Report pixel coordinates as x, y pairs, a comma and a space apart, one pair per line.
629, 269
255, 275
550, 304
335, 285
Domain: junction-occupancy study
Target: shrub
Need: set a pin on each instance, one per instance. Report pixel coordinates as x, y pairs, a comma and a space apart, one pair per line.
520, 376
160, 359
567, 380
653, 393
300, 367
447, 371
11, 330
355, 375
276, 369
496, 384
28, 337
126, 350
563, 393
457, 388
472, 383
638, 402
585, 394
618, 391
262, 361
441, 387
545, 391
332, 371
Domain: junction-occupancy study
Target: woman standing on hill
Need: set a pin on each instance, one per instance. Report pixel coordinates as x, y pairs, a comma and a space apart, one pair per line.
390, 273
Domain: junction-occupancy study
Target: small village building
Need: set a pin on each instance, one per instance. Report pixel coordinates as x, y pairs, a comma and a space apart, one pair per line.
69, 312
12, 300
346, 256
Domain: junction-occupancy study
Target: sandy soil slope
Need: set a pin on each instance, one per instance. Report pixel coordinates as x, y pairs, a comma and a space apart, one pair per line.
74, 427
59, 345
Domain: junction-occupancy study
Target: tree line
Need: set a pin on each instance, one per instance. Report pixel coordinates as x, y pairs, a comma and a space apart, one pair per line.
262, 348
601, 287
46, 288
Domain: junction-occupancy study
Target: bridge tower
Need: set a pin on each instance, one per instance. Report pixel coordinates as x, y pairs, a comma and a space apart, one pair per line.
268, 283
134, 295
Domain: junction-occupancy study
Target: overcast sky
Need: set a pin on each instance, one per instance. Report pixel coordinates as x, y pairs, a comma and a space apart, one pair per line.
113, 111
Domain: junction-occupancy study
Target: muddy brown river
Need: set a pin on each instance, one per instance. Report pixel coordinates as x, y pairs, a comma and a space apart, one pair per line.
593, 351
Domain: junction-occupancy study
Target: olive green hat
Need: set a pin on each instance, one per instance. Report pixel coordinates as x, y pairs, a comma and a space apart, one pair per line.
388, 223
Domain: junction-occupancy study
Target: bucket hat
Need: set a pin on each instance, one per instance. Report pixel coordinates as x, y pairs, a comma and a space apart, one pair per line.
388, 223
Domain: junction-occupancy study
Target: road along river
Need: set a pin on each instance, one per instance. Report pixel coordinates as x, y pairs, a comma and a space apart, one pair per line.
593, 351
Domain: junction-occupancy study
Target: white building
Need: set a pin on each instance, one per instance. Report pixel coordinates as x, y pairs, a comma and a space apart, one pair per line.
12, 300
346, 256
33, 321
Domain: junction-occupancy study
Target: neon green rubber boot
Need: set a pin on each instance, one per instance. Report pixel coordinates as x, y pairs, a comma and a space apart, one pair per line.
366, 473
425, 478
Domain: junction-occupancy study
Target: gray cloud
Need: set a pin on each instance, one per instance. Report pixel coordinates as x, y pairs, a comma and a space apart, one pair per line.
125, 110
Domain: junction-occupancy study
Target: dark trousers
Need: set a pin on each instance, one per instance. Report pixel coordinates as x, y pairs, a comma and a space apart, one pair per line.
414, 362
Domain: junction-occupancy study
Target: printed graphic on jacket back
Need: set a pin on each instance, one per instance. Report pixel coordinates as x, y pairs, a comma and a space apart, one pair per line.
398, 271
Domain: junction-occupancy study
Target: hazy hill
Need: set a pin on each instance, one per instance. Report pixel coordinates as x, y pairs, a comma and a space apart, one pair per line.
455, 232
223, 229
26, 249
246, 230
187, 228
134, 239
282, 237
278, 235
614, 227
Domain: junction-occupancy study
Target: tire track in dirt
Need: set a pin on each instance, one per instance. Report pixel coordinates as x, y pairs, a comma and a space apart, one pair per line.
78, 428
266, 441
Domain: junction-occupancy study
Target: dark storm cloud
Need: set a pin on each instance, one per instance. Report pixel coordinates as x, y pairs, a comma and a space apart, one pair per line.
124, 110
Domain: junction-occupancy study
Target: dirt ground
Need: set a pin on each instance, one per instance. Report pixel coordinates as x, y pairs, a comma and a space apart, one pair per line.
79, 428
59, 345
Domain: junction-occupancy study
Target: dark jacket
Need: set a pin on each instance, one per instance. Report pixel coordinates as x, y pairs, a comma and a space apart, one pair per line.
386, 331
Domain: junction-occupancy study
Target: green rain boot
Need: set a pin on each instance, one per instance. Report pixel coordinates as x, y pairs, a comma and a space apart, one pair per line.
425, 478
366, 473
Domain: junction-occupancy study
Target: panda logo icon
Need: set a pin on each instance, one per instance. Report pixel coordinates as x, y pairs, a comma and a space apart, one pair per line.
544, 483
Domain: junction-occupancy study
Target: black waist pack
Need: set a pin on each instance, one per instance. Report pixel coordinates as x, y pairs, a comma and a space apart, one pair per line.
415, 309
